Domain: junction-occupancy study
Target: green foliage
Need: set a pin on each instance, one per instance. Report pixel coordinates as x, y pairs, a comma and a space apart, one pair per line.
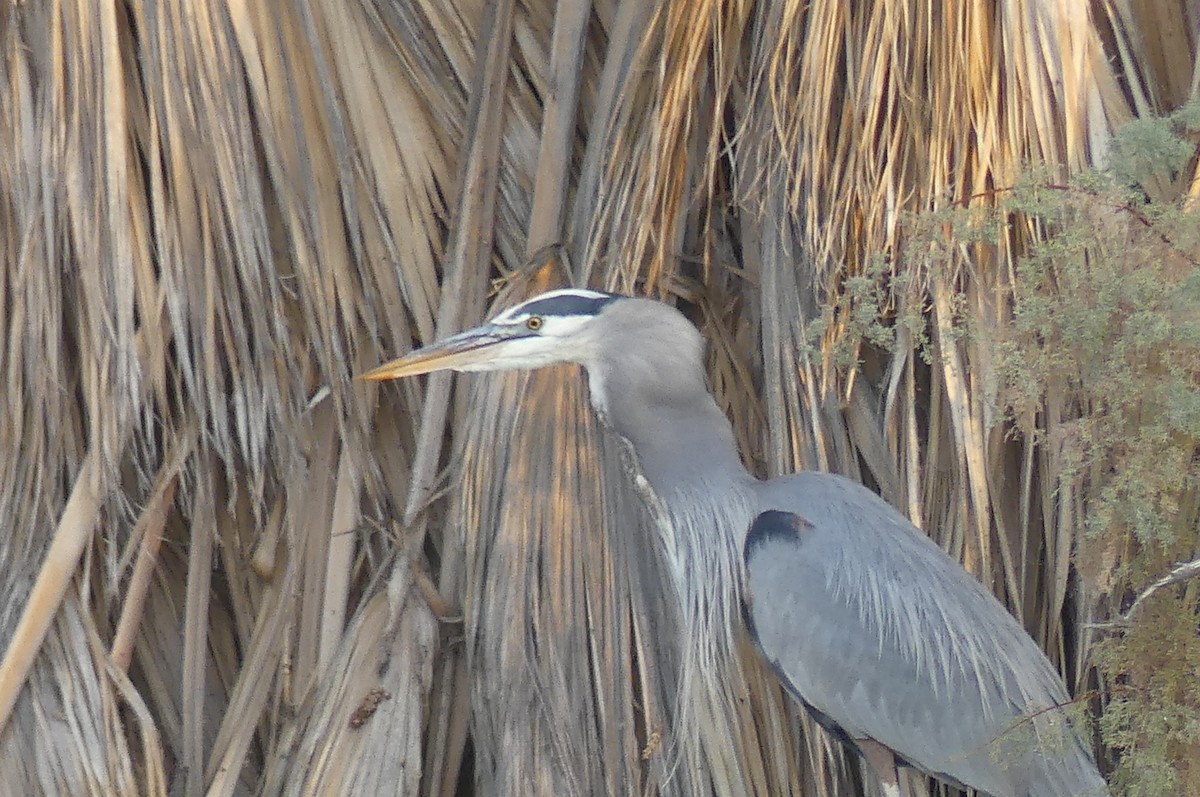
1152, 715
1106, 326
1147, 149
1104, 337
1105, 321
870, 307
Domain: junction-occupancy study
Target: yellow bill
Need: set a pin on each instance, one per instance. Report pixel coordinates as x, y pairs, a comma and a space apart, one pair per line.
466, 351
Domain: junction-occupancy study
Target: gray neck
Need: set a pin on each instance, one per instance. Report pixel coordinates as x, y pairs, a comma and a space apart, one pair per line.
646, 379
645, 365
699, 490
683, 441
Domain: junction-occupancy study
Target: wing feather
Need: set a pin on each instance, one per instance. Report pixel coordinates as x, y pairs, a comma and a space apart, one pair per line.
873, 626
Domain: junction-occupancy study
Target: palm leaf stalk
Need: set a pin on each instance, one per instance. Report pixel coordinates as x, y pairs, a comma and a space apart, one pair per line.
222, 556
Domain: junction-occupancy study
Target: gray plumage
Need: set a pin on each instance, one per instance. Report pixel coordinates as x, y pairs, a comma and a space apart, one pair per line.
871, 624
864, 619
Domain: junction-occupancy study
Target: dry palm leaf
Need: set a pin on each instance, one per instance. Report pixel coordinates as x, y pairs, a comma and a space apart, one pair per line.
213, 213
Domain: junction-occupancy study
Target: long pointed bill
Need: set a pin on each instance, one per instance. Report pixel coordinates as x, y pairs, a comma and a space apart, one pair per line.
466, 351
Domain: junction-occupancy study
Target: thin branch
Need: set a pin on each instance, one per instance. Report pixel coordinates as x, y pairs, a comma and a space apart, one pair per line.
1123, 207
558, 125
1129, 210
1181, 572
442, 608
152, 522
470, 246
197, 604
74, 531
150, 526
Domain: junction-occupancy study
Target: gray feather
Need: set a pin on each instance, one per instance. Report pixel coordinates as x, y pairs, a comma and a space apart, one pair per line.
866, 621
870, 623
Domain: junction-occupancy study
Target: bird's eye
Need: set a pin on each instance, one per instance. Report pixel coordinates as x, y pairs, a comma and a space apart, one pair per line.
533, 323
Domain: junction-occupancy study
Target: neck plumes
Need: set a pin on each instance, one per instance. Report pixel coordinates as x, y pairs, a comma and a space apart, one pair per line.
689, 472
686, 467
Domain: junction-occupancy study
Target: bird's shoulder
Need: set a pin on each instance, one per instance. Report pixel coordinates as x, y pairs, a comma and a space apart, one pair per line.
822, 540
839, 522
867, 620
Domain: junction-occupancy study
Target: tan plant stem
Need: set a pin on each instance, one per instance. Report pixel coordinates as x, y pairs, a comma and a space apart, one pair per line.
70, 538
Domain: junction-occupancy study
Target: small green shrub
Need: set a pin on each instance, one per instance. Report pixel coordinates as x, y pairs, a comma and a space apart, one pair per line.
1104, 336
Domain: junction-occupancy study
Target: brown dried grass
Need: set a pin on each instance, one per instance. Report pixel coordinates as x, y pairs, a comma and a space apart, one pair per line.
216, 212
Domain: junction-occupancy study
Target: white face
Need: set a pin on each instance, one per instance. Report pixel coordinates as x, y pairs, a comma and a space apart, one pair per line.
544, 330
547, 329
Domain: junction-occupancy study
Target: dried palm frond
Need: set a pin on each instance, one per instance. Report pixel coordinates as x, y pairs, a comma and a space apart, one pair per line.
220, 554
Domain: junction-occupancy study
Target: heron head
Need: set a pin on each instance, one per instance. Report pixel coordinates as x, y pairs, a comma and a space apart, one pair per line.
547, 329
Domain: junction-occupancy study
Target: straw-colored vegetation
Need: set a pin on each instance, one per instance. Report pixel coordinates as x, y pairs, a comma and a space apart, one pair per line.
227, 568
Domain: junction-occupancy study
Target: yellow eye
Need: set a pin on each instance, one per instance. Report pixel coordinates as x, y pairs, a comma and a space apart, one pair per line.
533, 323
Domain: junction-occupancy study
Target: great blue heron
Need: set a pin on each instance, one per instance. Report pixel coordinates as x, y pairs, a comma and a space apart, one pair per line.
869, 624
